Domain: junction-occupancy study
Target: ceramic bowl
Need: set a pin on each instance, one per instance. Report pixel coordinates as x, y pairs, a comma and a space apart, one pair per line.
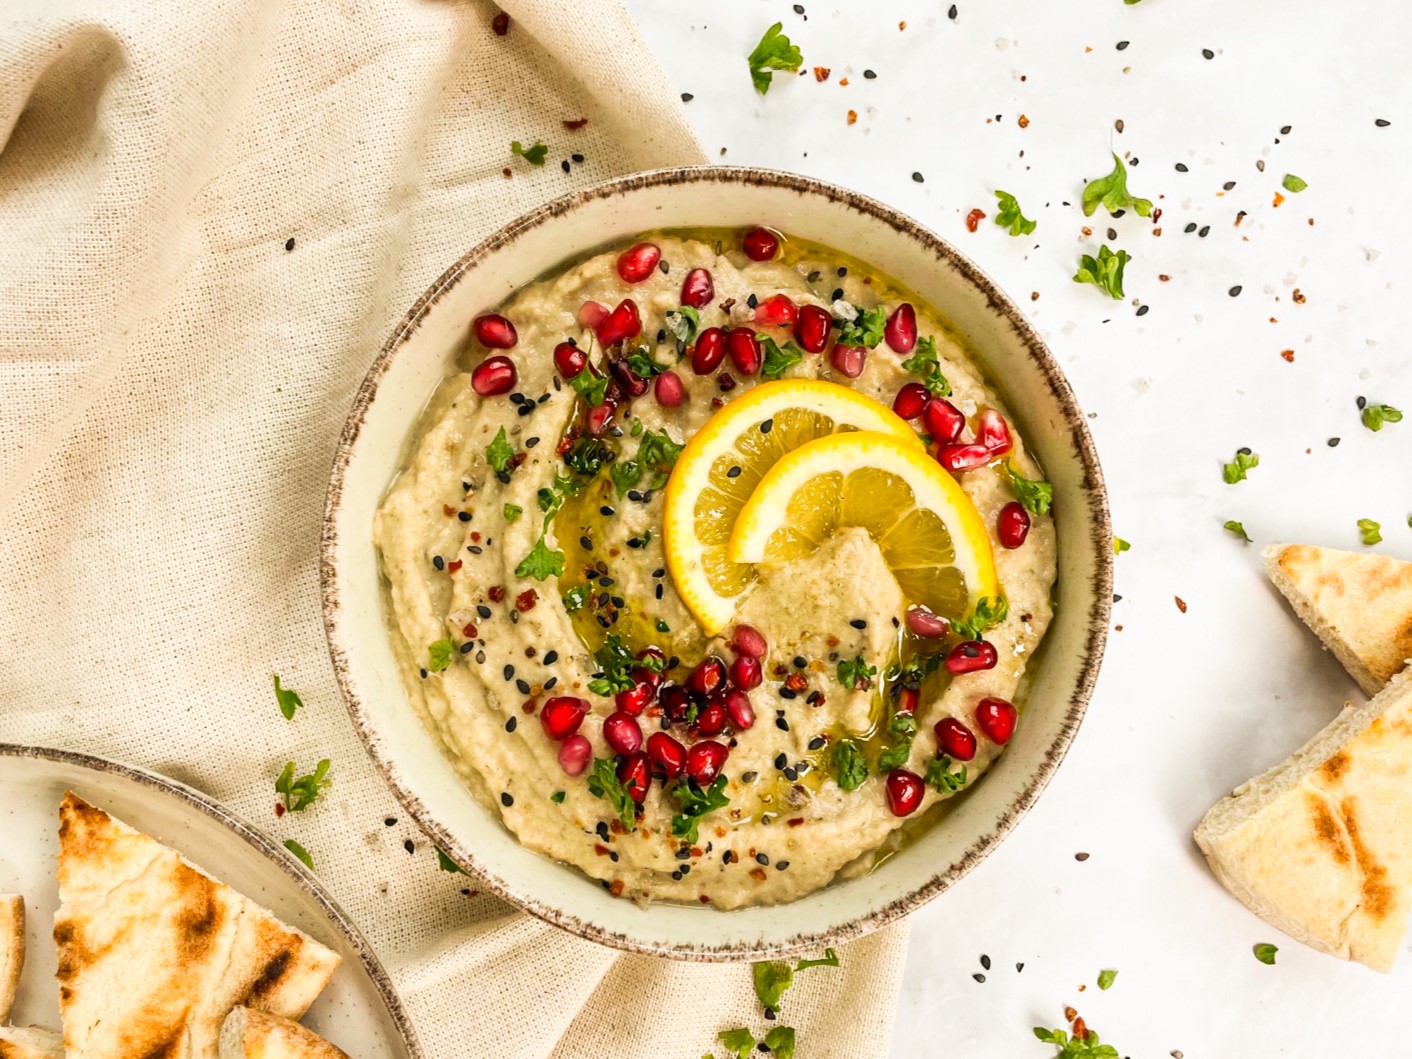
423, 350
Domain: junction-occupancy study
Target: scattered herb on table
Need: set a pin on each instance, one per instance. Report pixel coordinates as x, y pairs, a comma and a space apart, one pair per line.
856, 674
1370, 532
990, 611
439, 655
925, 364
603, 783
1375, 415
1293, 183
302, 791
780, 1042
1120, 546
288, 699
445, 863
1236, 470
1265, 952
500, 453
1104, 271
1079, 1046
1035, 495
1009, 215
1106, 979
1112, 193
850, 770
774, 52
1237, 530
694, 804
300, 852
541, 562
533, 155
772, 977
740, 1041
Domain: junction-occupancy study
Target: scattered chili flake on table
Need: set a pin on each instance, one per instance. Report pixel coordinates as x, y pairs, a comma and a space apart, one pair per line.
843, 82
576, 124
852, 117
1298, 296
1181, 603
1288, 354
973, 220
821, 73
501, 24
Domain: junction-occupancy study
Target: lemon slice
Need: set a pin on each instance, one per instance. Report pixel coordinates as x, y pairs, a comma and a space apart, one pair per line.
721, 465
930, 534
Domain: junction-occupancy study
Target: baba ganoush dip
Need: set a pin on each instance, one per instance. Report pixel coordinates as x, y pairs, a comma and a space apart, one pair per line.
568, 648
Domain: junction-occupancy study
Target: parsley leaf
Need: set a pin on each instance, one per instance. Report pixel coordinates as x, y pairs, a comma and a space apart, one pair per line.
1375, 415
1085, 1047
1035, 495
500, 453
850, 769
1105, 979
587, 456
1120, 546
864, 328
542, 562
902, 728
445, 863
557, 797
625, 474
771, 978
591, 387
641, 364
1369, 531
856, 674
1009, 215
940, 777
1236, 529
740, 1041
925, 363
780, 1041
696, 803
1293, 183
1265, 953
990, 611
828, 959
439, 655
1105, 271
1112, 192
300, 852
288, 700
658, 451
301, 792
603, 783
915, 669
1235, 471
512, 512
682, 323
533, 155
777, 360
774, 52
616, 663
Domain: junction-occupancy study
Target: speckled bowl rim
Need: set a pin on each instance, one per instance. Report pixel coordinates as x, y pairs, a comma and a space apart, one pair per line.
1092, 486
276, 855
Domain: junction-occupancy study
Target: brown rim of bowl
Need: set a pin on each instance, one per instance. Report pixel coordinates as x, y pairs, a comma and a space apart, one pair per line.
1100, 532
264, 845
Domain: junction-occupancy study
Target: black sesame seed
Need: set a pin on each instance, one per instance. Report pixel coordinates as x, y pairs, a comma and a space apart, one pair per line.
781, 760
1142, 310
507, 800
606, 581
817, 743
391, 821
1205, 231
635, 542
517, 398
586, 543
1081, 857
1228, 185
1285, 130
480, 658
979, 977
686, 869
1333, 442
788, 693
532, 442
1019, 967
1362, 403
564, 165
859, 623
747, 777
676, 875
509, 672
1381, 123
951, 13
512, 724
870, 75
782, 865
633, 494
577, 157
468, 647
1208, 53
761, 858
767, 426
550, 657
409, 846
541, 398
661, 334
1113, 232
464, 516
1123, 45
1235, 291
781, 724
1190, 227
658, 591
985, 961
687, 97
684, 853
602, 829
800, 661
1181, 168
917, 177
549, 684
522, 686
734, 472
1244, 450
438, 562
664, 267
476, 549
525, 409
752, 301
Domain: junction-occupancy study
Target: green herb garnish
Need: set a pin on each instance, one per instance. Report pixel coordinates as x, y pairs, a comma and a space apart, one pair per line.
925, 364
445, 863
1236, 470
1008, 215
300, 852
1112, 193
603, 783
780, 1042
774, 52
856, 673
591, 387
641, 364
902, 729
682, 323
849, 767
1035, 495
288, 700
1105, 271
864, 329
541, 562
1236, 529
772, 977
990, 611
576, 597
1265, 953
557, 797
1370, 532
740, 1041
1085, 1047
1106, 978
616, 663
1120, 546
1375, 415
940, 777
439, 655
533, 155
1293, 183
301, 792
696, 803
500, 454
777, 360
512, 512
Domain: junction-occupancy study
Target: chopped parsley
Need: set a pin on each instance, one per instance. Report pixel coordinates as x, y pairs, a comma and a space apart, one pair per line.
512, 512
439, 655
615, 665
1112, 193
625, 475
856, 674
848, 765
1293, 184
302, 791
445, 863
603, 783
902, 729
591, 387
642, 365
774, 52
1104, 271
772, 977
557, 797
657, 453
1008, 215
1375, 415
1086, 1047
541, 562
926, 365
864, 328
300, 852
780, 1042
990, 611
1035, 495
1120, 546
1236, 470
587, 456
1265, 953
1370, 532
915, 669
941, 779
1106, 979
288, 700
1236, 529
500, 454
740, 1041
682, 323
777, 360
533, 155
696, 803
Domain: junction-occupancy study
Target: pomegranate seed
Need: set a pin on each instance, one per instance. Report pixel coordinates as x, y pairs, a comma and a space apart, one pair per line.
705, 759
668, 389
957, 458
900, 331
776, 311
569, 360
675, 702
811, 330
904, 792
495, 331
634, 700
971, 657
494, 376
592, 313
742, 714
760, 244
562, 715
746, 673
708, 676
575, 753
709, 352
635, 773
848, 360
697, 290
911, 400
622, 323
1013, 525
712, 718
925, 624
599, 416
996, 719
633, 384
666, 753
744, 350
907, 699
993, 432
748, 641
647, 678
622, 732
636, 263
943, 420
955, 739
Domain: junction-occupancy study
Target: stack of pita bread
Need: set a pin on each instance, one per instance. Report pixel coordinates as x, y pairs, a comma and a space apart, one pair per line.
159, 960
1321, 845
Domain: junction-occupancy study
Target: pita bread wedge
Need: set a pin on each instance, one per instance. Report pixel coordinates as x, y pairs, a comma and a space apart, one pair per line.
153, 953
12, 950
30, 1043
1320, 846
1358, 603
248, 1034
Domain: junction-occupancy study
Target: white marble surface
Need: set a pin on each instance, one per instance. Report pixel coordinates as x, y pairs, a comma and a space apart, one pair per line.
1191, 703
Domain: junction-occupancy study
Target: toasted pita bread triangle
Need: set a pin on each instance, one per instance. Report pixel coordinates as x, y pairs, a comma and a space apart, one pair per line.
12, 950
30, 1043
153, 953
1358, 603
248, 1034
1320, 846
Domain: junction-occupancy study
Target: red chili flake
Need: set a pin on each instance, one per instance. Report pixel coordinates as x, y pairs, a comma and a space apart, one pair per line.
496, 593
1278, 198
470, 632
831, 640
1034, 295
780, 669
1288, 354
796, 682
758, 874
1023, 122
616, 887
973, 220
1181, 604
727, 305
279, 808
501, 24
704, 899
601, 849
1298, 296
532, 704
526, 600
506, 173
475, 536
576, 124
697, 851
1239, 217
1157, 215
617, 828
448, 510
453, 566
843, 83
795, 821
902, 25
853, 117
821, 73
1070, 1014
1080, 1029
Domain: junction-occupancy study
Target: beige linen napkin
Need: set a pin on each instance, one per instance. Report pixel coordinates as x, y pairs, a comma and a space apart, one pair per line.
211, 215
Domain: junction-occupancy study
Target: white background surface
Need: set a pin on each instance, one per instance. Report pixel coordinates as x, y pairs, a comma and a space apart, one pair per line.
1188, 704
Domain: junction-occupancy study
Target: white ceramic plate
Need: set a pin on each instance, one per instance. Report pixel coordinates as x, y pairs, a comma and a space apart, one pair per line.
358, 1011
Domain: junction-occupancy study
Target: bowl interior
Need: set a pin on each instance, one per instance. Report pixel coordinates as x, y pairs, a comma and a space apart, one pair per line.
423, 351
